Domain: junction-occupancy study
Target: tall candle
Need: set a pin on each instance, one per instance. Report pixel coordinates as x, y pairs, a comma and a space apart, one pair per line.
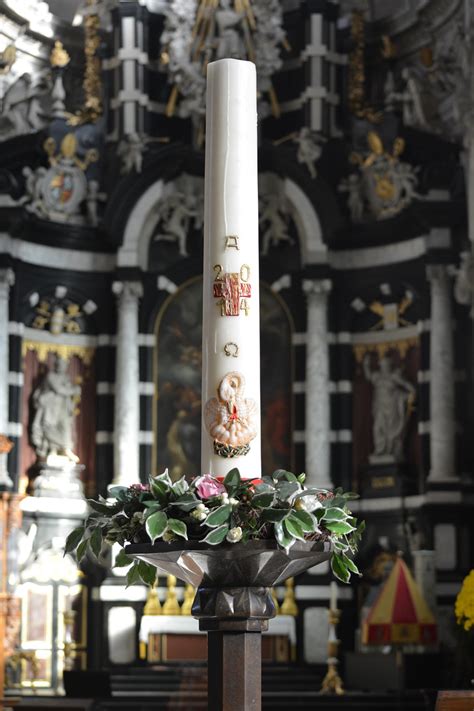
231, 321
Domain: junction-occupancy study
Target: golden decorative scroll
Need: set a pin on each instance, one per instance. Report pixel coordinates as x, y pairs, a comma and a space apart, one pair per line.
92, 84
59, 56
43, 349
357, 98
401, 345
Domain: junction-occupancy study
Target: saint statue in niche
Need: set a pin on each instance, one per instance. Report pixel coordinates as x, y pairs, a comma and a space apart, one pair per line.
54, 403
393, 396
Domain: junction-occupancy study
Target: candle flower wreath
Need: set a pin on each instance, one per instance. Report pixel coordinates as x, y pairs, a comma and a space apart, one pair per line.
215, 512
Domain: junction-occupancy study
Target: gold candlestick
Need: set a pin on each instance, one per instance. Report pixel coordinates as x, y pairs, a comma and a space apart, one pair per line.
189, 593
332, 682
289, 606
171, 606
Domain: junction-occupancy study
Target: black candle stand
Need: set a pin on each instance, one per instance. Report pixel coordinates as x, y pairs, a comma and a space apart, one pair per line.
233, 604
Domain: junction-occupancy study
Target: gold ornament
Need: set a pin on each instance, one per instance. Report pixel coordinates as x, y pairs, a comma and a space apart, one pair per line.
7, 58
59, 56
357, 99
289, 606
275, 601
189, 593
153, 604
67, 152
171, 605
92, 84
66, 352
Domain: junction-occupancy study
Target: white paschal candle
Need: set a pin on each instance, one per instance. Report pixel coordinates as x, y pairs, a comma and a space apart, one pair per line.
231, 314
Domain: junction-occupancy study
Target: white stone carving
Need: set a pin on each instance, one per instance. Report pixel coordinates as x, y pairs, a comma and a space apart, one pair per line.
274, 221
130, 150
310, 146
57, 193
464, 283
390, 409
126, 404
317, 403
197, 32
54, 402
384, 185
25, 107
442, 410
181, 206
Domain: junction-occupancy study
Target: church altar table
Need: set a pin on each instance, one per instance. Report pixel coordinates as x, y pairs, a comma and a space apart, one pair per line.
174, 638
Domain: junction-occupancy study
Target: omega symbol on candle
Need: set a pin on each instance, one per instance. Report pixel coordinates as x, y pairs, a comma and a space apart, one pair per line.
232, 241
230, 418
232, 289
231, 349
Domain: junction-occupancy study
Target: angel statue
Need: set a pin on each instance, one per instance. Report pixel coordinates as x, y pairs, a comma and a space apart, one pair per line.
391, 406
54, 404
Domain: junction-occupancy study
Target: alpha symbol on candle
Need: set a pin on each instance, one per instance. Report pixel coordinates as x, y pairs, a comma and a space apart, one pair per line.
233, 292
232, 241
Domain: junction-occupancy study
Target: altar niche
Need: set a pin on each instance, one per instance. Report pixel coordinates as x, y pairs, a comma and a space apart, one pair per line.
177, 377
38, 360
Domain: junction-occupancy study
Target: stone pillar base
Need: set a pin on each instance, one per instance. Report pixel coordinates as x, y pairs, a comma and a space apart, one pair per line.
61, 482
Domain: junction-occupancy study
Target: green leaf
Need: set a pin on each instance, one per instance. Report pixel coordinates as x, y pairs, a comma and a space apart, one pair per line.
160, 490
301, 478
104, 508
283, 474
151, 503
178, 527
306, 520
180, 487
118, 492
133, 575
232, 480
187, 502
122, 560
146, 572
216, 536
293, 528
286, 489
339, 527
350, 564
81, 549
156, 525
96, 541
283, 538
73, 540
275, 515
218, 516
335, 514
263, 501
264, 489
339, 568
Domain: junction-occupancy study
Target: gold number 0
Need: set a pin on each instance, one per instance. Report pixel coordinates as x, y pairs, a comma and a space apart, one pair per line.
245, 270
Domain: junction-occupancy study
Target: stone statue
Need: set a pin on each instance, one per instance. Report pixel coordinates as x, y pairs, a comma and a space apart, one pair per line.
309, 149
130, 150
392, 399
54, 402
25, 107
177, 210
273, 221
229, 43
352, 185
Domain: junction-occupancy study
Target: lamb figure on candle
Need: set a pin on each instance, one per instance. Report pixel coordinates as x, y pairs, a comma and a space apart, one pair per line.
231, 419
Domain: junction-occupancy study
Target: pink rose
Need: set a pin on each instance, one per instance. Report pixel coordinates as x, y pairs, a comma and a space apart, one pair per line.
207, 486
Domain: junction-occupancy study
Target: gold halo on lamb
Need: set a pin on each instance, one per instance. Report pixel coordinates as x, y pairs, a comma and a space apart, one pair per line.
230, 418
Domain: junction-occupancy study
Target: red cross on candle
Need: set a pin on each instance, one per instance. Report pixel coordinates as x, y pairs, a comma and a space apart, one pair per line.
233, 293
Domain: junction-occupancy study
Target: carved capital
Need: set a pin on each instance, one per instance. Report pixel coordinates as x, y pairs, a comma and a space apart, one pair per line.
439, 273
127, 291
7, 279
317, 287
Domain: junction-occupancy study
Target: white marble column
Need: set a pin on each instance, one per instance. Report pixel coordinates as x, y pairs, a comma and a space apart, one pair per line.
7, 279
127, 399
318, 420
442, 412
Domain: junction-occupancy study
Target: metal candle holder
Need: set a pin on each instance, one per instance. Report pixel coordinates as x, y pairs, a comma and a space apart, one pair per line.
332, 682
233, 604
